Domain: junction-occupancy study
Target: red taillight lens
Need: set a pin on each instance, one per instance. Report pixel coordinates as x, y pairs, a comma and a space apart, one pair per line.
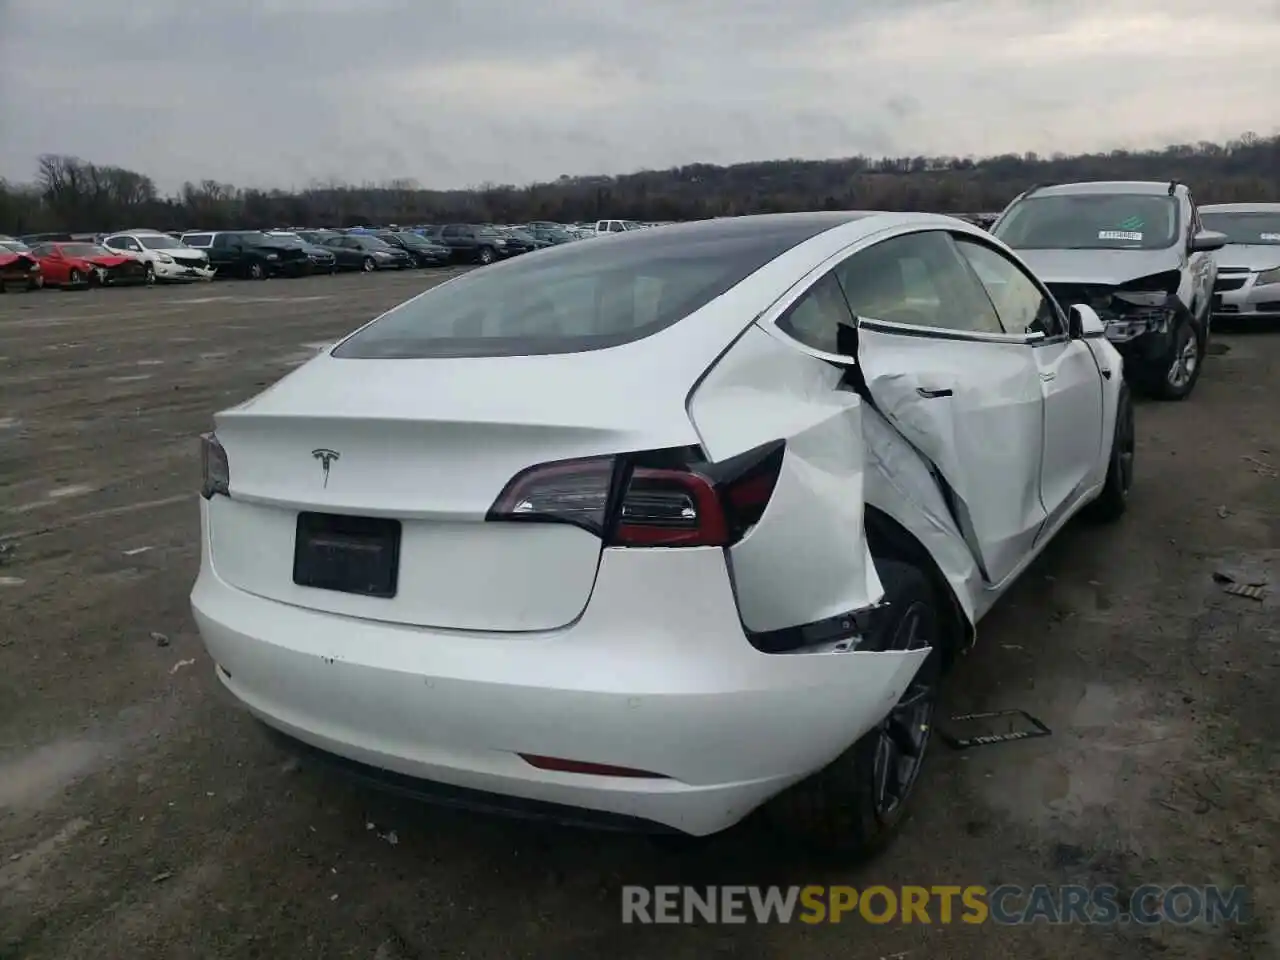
567, 491
668, 498
670, 508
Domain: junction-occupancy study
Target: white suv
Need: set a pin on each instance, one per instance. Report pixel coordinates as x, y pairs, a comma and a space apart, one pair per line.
165, 258
1137, 253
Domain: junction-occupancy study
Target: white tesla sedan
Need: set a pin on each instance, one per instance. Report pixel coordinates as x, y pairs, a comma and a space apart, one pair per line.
650, 531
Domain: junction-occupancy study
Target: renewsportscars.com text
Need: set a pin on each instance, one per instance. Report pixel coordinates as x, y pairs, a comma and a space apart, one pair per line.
1008, 904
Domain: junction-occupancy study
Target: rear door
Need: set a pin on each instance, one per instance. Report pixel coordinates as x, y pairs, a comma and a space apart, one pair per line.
958, 386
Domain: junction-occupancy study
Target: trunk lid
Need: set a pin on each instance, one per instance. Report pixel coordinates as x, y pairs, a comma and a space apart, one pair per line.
432, 443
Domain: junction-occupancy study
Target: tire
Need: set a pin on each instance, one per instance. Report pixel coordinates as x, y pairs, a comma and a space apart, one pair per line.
36, 283
75, 278
1114, 499
486, 256
848, 808
368, 265
256, 270
149, 275
1176, 374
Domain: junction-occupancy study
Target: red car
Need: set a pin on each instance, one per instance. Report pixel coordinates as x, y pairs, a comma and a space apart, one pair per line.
19, 266
76, 264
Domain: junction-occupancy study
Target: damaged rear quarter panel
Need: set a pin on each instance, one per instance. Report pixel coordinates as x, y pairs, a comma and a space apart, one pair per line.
807, 558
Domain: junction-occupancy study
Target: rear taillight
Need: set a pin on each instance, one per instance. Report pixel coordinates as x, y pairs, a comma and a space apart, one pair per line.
662, 498
215, 468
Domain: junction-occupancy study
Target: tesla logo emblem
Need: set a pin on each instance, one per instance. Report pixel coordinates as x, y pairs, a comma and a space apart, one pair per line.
326, 458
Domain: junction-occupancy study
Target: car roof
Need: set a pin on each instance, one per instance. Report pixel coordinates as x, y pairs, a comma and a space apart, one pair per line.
1240, 208
780, 231
1154, 188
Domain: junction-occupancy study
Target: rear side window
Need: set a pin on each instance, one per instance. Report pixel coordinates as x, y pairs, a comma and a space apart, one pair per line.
918, 279
197, 239
569, 300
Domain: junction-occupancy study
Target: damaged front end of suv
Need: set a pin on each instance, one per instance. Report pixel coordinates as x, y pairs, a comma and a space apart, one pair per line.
1135, 252
1140, 314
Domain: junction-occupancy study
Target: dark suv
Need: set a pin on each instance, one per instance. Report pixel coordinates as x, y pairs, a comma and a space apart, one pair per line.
469, 243
251, 253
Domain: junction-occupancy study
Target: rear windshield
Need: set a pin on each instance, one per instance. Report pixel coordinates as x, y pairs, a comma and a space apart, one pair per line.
1095, 221
571, 299
1260, 228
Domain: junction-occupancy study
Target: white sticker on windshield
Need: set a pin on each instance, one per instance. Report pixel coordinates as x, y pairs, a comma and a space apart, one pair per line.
1119, 235
1271, 237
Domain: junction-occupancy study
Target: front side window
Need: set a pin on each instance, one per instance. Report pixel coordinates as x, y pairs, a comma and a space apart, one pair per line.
1091, 221
1019, 303
918, 279
197, 240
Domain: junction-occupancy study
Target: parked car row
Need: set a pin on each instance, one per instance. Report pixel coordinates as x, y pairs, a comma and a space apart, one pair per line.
146, 256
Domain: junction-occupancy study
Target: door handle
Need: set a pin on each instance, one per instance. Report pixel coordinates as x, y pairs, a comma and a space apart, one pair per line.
932, 394
1048, 376
1106, 373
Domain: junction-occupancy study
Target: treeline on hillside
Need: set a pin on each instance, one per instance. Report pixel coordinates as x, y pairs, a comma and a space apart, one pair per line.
76, 195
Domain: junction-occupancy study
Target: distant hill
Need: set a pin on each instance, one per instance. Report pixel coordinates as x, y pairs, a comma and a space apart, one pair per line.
73, 194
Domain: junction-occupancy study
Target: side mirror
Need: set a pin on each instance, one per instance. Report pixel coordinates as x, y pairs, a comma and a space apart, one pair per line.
1083, 321
1207, 241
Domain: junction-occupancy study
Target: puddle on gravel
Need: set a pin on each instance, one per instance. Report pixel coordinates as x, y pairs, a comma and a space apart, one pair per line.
19, 869
32, 777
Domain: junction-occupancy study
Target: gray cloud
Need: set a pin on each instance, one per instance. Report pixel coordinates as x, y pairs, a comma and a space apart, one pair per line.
458, 92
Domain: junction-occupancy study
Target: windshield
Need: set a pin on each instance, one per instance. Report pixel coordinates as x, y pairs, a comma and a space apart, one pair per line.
553, 234
568, 301
14, 246
86, 250
254, 238
286, 239
412, 239
1095, 221
1261, 228
158, 242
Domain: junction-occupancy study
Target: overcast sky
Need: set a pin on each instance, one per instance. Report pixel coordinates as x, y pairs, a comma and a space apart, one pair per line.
458, 92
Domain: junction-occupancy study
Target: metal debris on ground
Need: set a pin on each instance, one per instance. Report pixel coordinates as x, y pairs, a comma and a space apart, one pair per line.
1027, 730
160, 639
161, 877
1252, 591
179, 665
1262, 468
1223, 512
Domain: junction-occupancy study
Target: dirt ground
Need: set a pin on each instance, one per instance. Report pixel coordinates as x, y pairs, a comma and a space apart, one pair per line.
142, 815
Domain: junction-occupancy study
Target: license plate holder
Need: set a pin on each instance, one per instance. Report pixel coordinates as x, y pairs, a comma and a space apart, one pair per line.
358, 555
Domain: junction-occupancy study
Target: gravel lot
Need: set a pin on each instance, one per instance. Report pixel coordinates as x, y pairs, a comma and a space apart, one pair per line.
142, 815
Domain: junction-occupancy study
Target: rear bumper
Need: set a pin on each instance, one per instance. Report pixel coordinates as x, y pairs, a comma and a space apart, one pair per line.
655, 676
